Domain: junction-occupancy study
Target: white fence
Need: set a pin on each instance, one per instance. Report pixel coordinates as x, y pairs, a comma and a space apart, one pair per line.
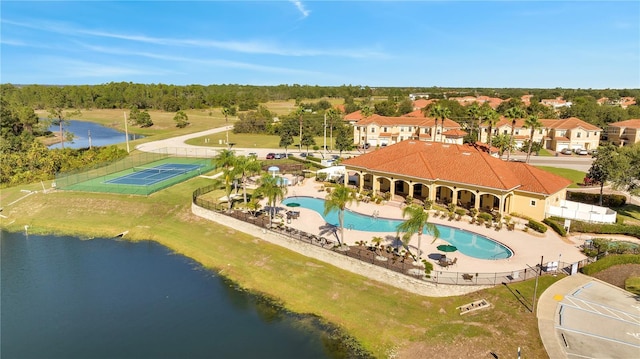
582, 212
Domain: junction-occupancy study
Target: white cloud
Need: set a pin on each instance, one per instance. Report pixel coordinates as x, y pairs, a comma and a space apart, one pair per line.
300, 6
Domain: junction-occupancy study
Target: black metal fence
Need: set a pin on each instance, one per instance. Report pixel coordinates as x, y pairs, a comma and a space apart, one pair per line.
390, 260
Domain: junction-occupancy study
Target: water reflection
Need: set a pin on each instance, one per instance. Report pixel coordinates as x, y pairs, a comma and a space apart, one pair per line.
88, 134
68, 298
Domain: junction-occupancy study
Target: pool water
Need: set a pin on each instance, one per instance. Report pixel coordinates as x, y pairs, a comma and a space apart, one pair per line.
468, 243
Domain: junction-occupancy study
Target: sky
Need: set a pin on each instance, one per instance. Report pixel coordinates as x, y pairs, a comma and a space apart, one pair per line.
490, 44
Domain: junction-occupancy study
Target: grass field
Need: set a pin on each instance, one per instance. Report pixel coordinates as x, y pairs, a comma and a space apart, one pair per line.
385, 320
251, 140
574, 176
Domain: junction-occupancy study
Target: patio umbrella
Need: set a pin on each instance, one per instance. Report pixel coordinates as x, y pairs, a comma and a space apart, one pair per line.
293, 204
447, 248
273, 170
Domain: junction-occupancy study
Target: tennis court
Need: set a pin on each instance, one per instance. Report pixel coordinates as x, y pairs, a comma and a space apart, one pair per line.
146, 176
140, 174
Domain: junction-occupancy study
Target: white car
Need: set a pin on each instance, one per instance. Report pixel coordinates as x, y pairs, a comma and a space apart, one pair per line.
582, 152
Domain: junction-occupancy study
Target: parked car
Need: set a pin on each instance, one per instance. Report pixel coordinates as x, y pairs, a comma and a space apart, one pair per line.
283, 156
253, 154
566, 151
582, 152
271, 156
277, 156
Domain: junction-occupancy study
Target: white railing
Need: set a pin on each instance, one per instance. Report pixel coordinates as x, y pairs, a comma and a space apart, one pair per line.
582, 212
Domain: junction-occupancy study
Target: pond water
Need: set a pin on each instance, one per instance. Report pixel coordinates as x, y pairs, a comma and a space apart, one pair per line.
63, 297
83, 130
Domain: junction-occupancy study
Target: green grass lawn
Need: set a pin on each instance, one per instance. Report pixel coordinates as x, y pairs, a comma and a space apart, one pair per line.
574, 176
251, 140
384, 319
630, 213
545, 152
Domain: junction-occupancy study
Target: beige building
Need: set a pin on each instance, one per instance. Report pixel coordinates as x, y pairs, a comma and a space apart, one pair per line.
460, 174
380, 131
624, 133
556, 135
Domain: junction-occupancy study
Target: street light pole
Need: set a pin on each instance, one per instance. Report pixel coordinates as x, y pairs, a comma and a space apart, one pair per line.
535, 289
325, 135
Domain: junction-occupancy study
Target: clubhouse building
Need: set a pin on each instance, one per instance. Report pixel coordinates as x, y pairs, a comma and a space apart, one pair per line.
454, 173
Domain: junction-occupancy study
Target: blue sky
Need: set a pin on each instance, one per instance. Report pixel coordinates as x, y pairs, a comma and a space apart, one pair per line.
535, 44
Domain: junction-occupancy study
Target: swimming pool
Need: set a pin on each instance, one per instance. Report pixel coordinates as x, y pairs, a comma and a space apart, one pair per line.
468, 243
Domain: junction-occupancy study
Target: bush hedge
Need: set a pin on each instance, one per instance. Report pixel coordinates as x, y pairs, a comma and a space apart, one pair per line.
608, 200
603, 228
557, 227
537, 226
610, 261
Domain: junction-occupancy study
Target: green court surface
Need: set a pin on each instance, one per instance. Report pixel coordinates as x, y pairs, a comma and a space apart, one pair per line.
135, 176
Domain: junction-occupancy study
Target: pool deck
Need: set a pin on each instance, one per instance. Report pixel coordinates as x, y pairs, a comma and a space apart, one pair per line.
528, 247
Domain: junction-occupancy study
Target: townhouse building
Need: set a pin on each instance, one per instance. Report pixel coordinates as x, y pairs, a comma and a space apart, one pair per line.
624, 133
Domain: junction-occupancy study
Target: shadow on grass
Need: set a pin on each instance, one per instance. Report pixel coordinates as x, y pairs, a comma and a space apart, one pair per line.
519, 297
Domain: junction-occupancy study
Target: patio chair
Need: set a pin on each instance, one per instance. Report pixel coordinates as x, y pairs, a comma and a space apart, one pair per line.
467, 276
443, 262
454, 261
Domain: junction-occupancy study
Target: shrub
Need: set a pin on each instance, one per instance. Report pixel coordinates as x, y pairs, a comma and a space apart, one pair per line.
610, 261
537, 226
632, 284
557, 227
608, 200
602, 228
485, 216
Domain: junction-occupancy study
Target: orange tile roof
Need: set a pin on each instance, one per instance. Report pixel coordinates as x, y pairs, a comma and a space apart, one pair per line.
416, 113
353, 116
455, 132
632, 123
536, 180
569, 123
422, 103
456, 163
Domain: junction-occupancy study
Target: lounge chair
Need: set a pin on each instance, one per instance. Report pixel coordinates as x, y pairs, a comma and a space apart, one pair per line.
454, 261
467, 276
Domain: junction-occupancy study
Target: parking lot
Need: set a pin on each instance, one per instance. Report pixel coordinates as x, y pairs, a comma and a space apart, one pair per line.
582, 317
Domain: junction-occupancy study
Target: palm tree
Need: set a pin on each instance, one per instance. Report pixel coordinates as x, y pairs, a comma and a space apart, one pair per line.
442, 113
298, 113
475, 113
513, 113
270, 187
491, 118
333, 114
417, 221
338, 199
225, 180
224, 159
244, 166
533, 123
226, 112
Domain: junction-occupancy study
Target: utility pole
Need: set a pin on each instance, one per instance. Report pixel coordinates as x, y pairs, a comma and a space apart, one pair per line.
126, 131
535, 289
325, 136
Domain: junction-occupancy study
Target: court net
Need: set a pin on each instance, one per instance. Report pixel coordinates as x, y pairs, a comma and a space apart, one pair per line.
155, 170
